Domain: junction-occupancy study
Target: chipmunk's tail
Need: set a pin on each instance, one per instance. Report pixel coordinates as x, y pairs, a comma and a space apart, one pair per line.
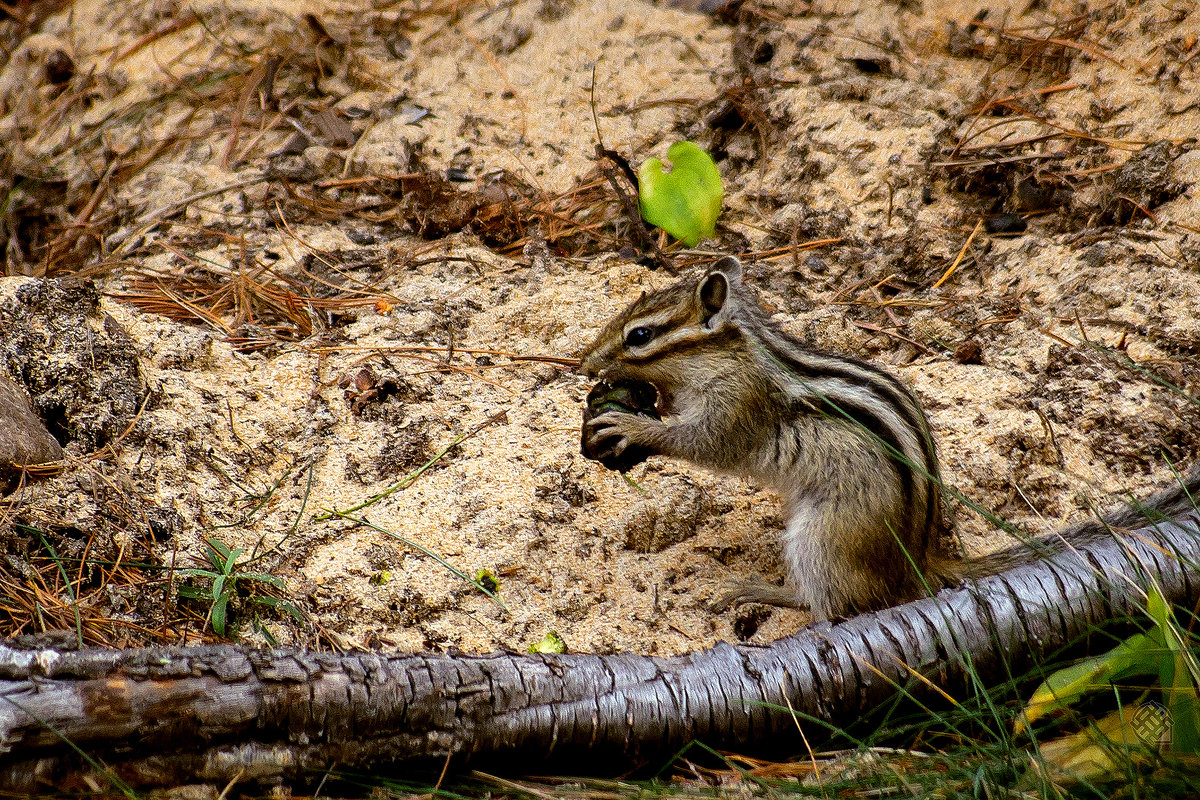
1180, 498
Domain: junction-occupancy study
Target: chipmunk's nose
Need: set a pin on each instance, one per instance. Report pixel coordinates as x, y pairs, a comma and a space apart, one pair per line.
596, 361
589, 366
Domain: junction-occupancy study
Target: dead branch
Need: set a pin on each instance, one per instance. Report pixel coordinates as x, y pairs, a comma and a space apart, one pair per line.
162, 716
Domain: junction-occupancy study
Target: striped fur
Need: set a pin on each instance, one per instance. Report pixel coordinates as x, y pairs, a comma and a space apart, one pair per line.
844, 442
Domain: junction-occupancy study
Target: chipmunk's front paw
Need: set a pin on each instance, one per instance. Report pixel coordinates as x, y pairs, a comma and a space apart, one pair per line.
617, 422
618, 440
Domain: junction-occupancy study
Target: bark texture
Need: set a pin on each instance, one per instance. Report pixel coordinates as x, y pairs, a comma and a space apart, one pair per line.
165, 715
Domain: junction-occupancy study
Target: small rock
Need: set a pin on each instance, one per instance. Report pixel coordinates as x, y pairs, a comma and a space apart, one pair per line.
60, 68
1005, 223
24, 440
969, 352
325, 160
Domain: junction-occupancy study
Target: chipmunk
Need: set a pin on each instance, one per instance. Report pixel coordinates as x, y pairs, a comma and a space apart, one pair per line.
844, 443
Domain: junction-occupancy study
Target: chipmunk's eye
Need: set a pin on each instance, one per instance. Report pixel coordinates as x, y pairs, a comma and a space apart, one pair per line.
639, 336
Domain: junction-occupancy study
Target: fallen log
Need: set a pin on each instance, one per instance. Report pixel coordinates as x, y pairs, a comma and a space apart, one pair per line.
164, 716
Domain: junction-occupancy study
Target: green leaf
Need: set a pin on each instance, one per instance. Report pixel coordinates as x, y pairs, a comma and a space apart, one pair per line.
1179, 690
279, 605
231, 561
218, 614
550, 643
219, 548
686, 201
1184, 707
1104, 751
197, 573
262, 628
1157, 608
263, 577
1140, 654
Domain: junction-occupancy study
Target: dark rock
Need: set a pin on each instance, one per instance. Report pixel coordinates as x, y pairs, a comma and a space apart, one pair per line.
1005, 223
59, 67
969, 352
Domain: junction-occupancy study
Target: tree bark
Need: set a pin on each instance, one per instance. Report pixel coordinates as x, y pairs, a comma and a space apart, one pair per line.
167, 715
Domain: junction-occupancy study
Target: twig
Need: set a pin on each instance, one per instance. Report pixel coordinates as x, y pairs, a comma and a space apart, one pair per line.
781, 253
148, 221
178, 25
1139, 206
645, 241
409, 479
961, 254
513, 785
1089, 48
417, 546
877, 329
988, 162
1061, 87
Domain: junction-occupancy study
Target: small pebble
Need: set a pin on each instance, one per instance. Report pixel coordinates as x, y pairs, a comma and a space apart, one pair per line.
1005, 223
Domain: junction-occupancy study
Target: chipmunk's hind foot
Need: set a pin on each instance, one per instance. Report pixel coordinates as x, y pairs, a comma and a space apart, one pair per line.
757, 591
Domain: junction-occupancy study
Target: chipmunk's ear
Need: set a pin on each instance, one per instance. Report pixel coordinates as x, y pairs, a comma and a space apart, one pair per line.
714, 289
730, 267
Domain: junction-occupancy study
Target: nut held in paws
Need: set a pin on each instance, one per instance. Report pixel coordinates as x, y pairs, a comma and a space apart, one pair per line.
633, 397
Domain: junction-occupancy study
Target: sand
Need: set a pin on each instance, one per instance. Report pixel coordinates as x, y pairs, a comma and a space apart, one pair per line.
1065, 334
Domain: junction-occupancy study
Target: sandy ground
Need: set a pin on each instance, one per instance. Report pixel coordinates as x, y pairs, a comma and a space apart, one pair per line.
1043, 360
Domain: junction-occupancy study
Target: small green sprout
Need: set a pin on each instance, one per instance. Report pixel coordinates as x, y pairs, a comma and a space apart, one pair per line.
686, 201
225, 575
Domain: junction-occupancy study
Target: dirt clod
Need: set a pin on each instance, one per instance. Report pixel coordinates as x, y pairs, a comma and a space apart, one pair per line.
78, 363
